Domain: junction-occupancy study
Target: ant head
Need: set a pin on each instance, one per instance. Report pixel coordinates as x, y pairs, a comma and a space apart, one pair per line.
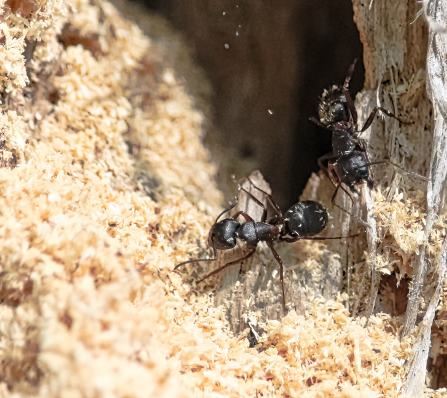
305, 219
223, 234
333, 106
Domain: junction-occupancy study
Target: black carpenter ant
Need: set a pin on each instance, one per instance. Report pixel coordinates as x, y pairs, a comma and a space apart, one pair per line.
348, 163
301, 221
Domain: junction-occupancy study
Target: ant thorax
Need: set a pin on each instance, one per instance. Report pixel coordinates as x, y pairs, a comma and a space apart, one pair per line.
343, 141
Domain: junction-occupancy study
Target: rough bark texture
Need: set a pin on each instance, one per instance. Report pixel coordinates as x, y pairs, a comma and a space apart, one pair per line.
394, 58
395, 49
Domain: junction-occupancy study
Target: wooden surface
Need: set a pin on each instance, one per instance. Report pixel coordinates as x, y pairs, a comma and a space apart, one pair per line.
395, 47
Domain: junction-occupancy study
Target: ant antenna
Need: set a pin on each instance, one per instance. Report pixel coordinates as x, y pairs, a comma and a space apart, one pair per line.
268, 196
197, 260
216, 271
347, 94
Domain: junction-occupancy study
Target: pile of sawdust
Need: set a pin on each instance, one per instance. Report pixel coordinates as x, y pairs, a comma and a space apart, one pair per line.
401, 232
105, 186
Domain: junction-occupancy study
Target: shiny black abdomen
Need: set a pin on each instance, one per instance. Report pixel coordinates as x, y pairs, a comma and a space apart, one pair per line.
352, 169
305, 219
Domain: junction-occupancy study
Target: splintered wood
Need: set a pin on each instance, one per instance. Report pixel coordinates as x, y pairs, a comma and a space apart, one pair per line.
395, 53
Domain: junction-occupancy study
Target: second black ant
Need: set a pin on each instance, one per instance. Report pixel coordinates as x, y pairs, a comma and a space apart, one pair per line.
303, 220
348, 163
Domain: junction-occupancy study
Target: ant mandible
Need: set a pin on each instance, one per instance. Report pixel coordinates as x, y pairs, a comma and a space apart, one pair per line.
303, 220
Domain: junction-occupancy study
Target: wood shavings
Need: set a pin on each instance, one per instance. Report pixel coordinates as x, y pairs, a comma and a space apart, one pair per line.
401, 230
82, 247
415, 381
438, 170
412, 231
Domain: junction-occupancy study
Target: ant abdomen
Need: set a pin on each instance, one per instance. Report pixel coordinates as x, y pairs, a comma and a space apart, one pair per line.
305, 219
352, 169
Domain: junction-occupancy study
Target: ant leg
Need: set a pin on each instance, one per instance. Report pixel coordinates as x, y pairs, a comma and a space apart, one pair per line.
330, 172
371, 116
269, 197
258, 202
337, 183
347, 94
319, 124
243, 214
411, 173
328, 156
334, 195
281, 274
333, 175
292, 240
216, 271
196, 260
232, 206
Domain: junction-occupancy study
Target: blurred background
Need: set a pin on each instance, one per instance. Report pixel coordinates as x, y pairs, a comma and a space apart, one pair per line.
268, 61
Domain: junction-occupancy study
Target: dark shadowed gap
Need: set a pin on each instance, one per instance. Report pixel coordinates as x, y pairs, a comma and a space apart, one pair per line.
278, 62
329, 42
156, 5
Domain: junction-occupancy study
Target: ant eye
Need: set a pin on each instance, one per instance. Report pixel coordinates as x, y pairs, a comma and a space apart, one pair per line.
339, 112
